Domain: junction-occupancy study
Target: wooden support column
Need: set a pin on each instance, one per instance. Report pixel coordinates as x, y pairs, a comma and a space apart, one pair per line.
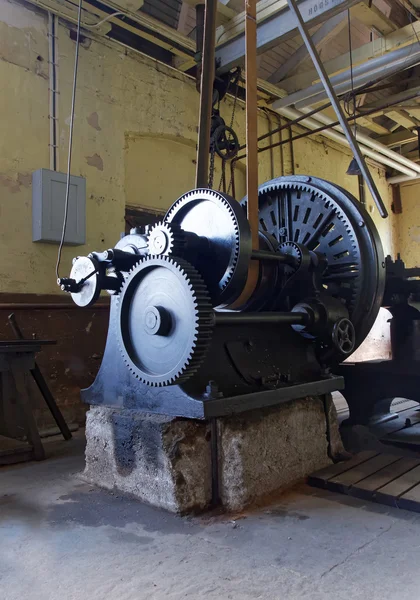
206, 94
251, 144
251, 118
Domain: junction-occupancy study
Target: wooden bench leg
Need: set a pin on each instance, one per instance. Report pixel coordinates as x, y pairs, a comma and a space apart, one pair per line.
20, 377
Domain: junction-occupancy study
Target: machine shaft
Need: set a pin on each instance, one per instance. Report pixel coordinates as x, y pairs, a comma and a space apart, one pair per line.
274, 318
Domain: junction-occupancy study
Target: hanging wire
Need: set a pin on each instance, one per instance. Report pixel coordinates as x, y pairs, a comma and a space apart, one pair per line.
73, 100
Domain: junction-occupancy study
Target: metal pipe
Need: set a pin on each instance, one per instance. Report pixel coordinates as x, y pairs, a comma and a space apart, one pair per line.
279, 119
46, 306
290, 113
363, 80
53, 90
268, 318
401, 179
374, 65
337, 108
368, 141
286, 126
206, 94
270, 135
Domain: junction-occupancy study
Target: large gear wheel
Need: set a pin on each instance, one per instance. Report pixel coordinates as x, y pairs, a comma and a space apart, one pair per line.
326, 219
220, 219
165, 321
166, 239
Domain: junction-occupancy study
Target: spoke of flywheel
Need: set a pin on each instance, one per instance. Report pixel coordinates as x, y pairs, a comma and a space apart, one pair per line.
314, 239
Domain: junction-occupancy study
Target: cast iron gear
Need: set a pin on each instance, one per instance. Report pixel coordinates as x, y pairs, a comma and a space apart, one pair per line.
165, 239
165, 320
326, 219
220, 220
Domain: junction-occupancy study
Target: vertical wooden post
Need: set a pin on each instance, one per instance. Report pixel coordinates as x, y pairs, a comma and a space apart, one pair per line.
251, 118
206, 94
251, 146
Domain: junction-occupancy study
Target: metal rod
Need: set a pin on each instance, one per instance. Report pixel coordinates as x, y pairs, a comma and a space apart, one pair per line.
272, 256
294, 122
337, 107
46, 306
320, 129
215, 489
273, 318
206, 94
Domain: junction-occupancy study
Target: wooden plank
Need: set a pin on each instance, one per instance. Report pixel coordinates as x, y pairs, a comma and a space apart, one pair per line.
398, 39
321, 38
371, 16
389, 494
236, 26
411, 499
406, 435
323, 475
365, 469
387, 474
251, 145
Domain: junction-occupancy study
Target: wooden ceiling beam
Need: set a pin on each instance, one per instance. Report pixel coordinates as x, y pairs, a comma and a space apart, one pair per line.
398, 138
397, 39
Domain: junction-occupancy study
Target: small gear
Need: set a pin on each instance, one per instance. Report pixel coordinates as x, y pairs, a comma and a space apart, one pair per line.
165, 321
165, 239
293, 250
221, 220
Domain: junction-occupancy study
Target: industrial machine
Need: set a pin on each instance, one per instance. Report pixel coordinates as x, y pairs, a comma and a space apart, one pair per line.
202, 325
225, 306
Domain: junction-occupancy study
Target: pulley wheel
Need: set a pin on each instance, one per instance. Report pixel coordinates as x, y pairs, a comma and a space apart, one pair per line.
326, 219
221, 220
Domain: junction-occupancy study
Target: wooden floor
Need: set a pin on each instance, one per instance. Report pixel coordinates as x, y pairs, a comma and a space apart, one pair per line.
385, 478
378, 475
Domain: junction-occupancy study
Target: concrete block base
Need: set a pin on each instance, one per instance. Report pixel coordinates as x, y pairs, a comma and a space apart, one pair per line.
166, 461
161, 460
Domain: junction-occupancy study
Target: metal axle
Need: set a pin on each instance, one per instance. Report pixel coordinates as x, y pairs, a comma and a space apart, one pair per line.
273, 318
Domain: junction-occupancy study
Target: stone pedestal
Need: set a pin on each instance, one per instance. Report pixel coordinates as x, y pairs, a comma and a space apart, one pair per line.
166, 461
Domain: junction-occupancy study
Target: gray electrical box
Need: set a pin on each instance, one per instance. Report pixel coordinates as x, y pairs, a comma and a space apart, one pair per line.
48, 200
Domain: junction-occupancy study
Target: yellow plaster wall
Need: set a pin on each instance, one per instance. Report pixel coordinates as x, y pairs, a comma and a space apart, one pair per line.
134, 141
408, 224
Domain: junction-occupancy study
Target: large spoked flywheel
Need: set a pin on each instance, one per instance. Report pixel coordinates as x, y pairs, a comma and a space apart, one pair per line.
328, 220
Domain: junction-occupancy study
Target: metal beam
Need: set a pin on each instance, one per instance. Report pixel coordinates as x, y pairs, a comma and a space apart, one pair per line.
328, 30
281, 26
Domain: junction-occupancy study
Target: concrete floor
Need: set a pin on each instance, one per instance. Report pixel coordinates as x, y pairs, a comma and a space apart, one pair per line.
61, 539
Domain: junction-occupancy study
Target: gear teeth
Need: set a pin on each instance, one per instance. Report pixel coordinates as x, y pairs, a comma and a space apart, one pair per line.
188, 197
165, 239
202, 319
286, 185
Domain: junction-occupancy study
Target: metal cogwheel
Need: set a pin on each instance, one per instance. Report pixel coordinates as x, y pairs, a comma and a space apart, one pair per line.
326, 219
165, 321
165, 239
292, 249
220, 219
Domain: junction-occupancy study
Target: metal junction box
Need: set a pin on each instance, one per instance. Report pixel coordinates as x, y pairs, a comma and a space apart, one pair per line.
48, 200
